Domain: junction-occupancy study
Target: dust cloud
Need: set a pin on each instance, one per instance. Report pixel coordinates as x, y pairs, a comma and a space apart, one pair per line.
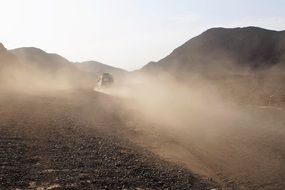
198, 123
166, 101
30, 79
230, 128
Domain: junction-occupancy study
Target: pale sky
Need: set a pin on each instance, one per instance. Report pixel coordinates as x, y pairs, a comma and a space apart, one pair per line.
125, 33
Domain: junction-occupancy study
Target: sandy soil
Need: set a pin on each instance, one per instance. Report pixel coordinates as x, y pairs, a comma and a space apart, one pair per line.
246, 153
73, 140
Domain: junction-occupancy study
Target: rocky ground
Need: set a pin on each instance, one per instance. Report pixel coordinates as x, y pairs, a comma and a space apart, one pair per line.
70, 140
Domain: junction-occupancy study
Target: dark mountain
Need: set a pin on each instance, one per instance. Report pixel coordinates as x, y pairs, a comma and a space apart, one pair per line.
6, 58
98, 68
55, 62
2, 48
41, 59
226, 50
42, 68
36, 65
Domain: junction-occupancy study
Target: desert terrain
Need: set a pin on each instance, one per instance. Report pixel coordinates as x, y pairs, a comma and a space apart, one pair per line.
73, 140
80, 139
239, 144
210, 115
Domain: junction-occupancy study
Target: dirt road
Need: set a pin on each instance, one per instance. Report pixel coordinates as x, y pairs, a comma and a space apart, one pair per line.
72, 140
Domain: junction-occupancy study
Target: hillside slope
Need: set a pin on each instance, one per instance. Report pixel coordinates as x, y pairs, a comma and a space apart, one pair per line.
6, 57
30, 67
53, 63
42, 59
226, 50
97, 68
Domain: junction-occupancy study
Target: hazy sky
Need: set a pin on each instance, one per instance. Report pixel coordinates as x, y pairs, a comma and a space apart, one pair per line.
125, 33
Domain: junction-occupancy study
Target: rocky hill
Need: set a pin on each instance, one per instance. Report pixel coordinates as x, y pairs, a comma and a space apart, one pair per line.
219, 50
6, 57
99, 68
30, 64
41, 59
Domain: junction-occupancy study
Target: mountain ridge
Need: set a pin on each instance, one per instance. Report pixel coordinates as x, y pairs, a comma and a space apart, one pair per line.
247, 48
42, 58
98, 68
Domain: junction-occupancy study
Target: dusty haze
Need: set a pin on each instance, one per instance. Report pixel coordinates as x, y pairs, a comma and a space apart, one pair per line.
229, 128
226, 126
